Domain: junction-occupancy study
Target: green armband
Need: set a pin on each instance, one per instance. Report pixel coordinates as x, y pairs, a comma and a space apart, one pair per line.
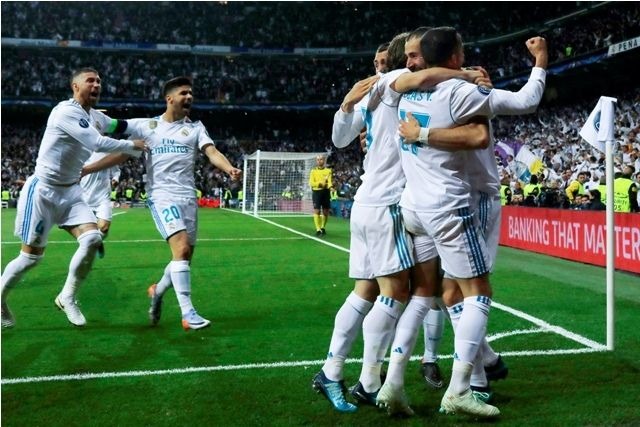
116, 125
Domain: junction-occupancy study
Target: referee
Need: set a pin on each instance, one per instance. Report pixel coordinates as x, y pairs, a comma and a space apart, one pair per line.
321, 183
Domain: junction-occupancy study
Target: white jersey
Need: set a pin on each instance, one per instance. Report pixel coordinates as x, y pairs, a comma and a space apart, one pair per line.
96, 187
446, 174
383, 179
173, 149
436, 179
482, 166
70, 138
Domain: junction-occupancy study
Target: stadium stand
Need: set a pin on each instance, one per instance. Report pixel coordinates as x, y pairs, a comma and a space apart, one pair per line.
262, 82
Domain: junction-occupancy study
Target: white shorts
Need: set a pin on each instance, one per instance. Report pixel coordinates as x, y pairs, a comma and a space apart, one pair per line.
457, 238
489, 212
380, 245
177, 214
41, 206
424, 248
104, 210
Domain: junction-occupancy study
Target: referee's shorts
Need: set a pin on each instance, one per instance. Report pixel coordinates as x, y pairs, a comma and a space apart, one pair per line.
321, 199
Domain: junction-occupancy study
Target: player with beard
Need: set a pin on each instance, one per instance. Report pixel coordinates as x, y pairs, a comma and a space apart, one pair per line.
52, 195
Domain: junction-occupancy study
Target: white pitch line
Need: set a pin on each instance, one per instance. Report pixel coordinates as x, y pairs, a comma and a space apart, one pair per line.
592, 346
232, 239
293, 364
552, 328
340, 248
539, 322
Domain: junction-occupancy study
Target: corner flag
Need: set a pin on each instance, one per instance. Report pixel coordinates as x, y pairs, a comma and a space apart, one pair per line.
599, 126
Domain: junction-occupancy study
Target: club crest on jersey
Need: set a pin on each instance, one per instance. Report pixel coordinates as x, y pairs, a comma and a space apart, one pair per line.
153, 124
484, 90
185, 131
83, 123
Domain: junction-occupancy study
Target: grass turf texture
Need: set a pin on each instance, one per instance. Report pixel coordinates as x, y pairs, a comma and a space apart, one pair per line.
272, 295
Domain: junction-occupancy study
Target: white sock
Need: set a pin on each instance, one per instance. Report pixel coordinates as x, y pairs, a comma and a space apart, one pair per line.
378, 329
347, 325
478, 376
460, 374
181, 279
433, 327
405, 339
489, 356
455, 311
81, 262
165, 281
472, 327
14, 271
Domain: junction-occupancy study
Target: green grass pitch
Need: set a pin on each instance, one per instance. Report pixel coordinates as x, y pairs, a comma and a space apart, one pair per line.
271, 290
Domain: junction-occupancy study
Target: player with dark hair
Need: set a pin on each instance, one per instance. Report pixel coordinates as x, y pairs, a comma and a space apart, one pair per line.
52, 195
448, 214
380, 249
174, 142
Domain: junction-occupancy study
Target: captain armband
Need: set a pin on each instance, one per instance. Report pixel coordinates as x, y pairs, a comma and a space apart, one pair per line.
423, 137
116, 125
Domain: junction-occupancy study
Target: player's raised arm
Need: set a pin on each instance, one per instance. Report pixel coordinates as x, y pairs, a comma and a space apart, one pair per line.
468, 102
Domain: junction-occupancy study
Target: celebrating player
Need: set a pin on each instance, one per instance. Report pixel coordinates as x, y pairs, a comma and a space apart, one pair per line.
52, 194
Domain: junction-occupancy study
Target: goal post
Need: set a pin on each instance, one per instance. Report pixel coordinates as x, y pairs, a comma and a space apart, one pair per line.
277, 183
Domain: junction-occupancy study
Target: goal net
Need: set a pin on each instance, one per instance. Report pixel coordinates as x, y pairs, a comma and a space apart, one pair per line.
277, 183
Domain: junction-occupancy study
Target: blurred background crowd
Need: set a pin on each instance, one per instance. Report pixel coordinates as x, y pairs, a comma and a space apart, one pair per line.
263, 94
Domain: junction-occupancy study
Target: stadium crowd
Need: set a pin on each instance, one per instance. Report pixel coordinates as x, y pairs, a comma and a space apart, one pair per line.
261, 78
262, 24
552, 135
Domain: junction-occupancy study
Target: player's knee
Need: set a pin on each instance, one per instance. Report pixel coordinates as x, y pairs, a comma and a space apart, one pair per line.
28, 261
451, 297
91, 239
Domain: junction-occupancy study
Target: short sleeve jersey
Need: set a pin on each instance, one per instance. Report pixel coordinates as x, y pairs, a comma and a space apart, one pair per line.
173, 147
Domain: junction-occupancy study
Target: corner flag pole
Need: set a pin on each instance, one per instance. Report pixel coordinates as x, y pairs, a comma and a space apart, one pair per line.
605, 134
598, 131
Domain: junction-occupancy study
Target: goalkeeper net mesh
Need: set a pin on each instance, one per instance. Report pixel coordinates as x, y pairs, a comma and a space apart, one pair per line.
277, 183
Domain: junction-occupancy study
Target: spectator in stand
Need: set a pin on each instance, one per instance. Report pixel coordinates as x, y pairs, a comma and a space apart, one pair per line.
595, 203
576, 188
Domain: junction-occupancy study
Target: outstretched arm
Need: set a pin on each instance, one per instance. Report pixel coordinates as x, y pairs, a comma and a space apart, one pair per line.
104, 163
432, 76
